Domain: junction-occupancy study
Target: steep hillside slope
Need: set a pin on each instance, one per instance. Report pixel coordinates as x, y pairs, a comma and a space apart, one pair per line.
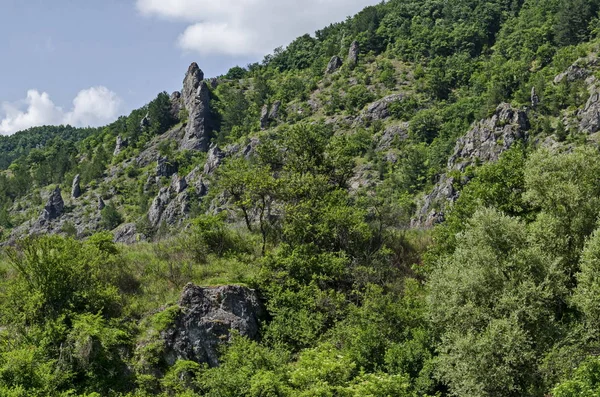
403, 204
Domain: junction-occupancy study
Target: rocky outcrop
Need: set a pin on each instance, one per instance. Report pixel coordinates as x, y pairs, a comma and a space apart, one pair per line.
101, 204
165, 168
176, 104
215, 158
264, 117
380, 109
159, 204
269, 114
128, 234
485, 142
334, 64
196, 99
579, 70
535, 99
490, 137
55, 205
145, 123
76, 187
119, 146
206, 319
353, 53
391, 135
178, 184
590, 115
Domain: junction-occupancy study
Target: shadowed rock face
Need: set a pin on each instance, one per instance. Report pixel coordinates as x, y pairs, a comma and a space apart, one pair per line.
334, 64
55, 206
206, 320
196, 99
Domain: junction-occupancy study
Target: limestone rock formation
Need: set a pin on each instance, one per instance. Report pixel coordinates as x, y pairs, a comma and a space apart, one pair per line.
196, 99
268, 114
119, 146
101, 204
55, 205
128, 234
485, 142
391, 134
145, 123
535, 99
489, 138
380, 109
353, 53
176, 104
159, 204
590, 115
206, 320
334, 64
178, 184
215, 158
165, 168
76, 187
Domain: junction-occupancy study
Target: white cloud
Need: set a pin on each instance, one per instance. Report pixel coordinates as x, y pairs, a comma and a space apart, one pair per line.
92, 107
248, 27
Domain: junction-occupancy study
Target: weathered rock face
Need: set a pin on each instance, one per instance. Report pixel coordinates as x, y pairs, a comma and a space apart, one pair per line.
165, 168
196, 99
76, 188
176, 104
485, 142
215, 158
334, 64
178, 184
158, 206
54, 206
353, 53
491, 137
264, 117
206, 320
119, 146
381, 109
590, 116
128, 234
391, 134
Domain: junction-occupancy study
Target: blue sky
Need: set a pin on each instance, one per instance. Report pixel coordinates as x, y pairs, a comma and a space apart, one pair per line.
84, 62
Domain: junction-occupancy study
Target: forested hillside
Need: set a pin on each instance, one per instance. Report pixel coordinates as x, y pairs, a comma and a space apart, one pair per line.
403, 204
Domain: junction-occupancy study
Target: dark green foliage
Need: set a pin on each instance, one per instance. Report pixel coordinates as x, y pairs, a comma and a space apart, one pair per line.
111, 217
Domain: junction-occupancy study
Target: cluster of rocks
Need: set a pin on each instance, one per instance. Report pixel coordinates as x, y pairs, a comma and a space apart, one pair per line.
336, 62
269, 113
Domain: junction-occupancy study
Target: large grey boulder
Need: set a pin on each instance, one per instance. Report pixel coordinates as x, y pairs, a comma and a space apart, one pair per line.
206, 319
334, 64
196, 99
264, 117
128, 234
76, 187
268, 114
55, 205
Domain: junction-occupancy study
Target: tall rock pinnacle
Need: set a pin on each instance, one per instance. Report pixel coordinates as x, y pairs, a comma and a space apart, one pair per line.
196, 99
